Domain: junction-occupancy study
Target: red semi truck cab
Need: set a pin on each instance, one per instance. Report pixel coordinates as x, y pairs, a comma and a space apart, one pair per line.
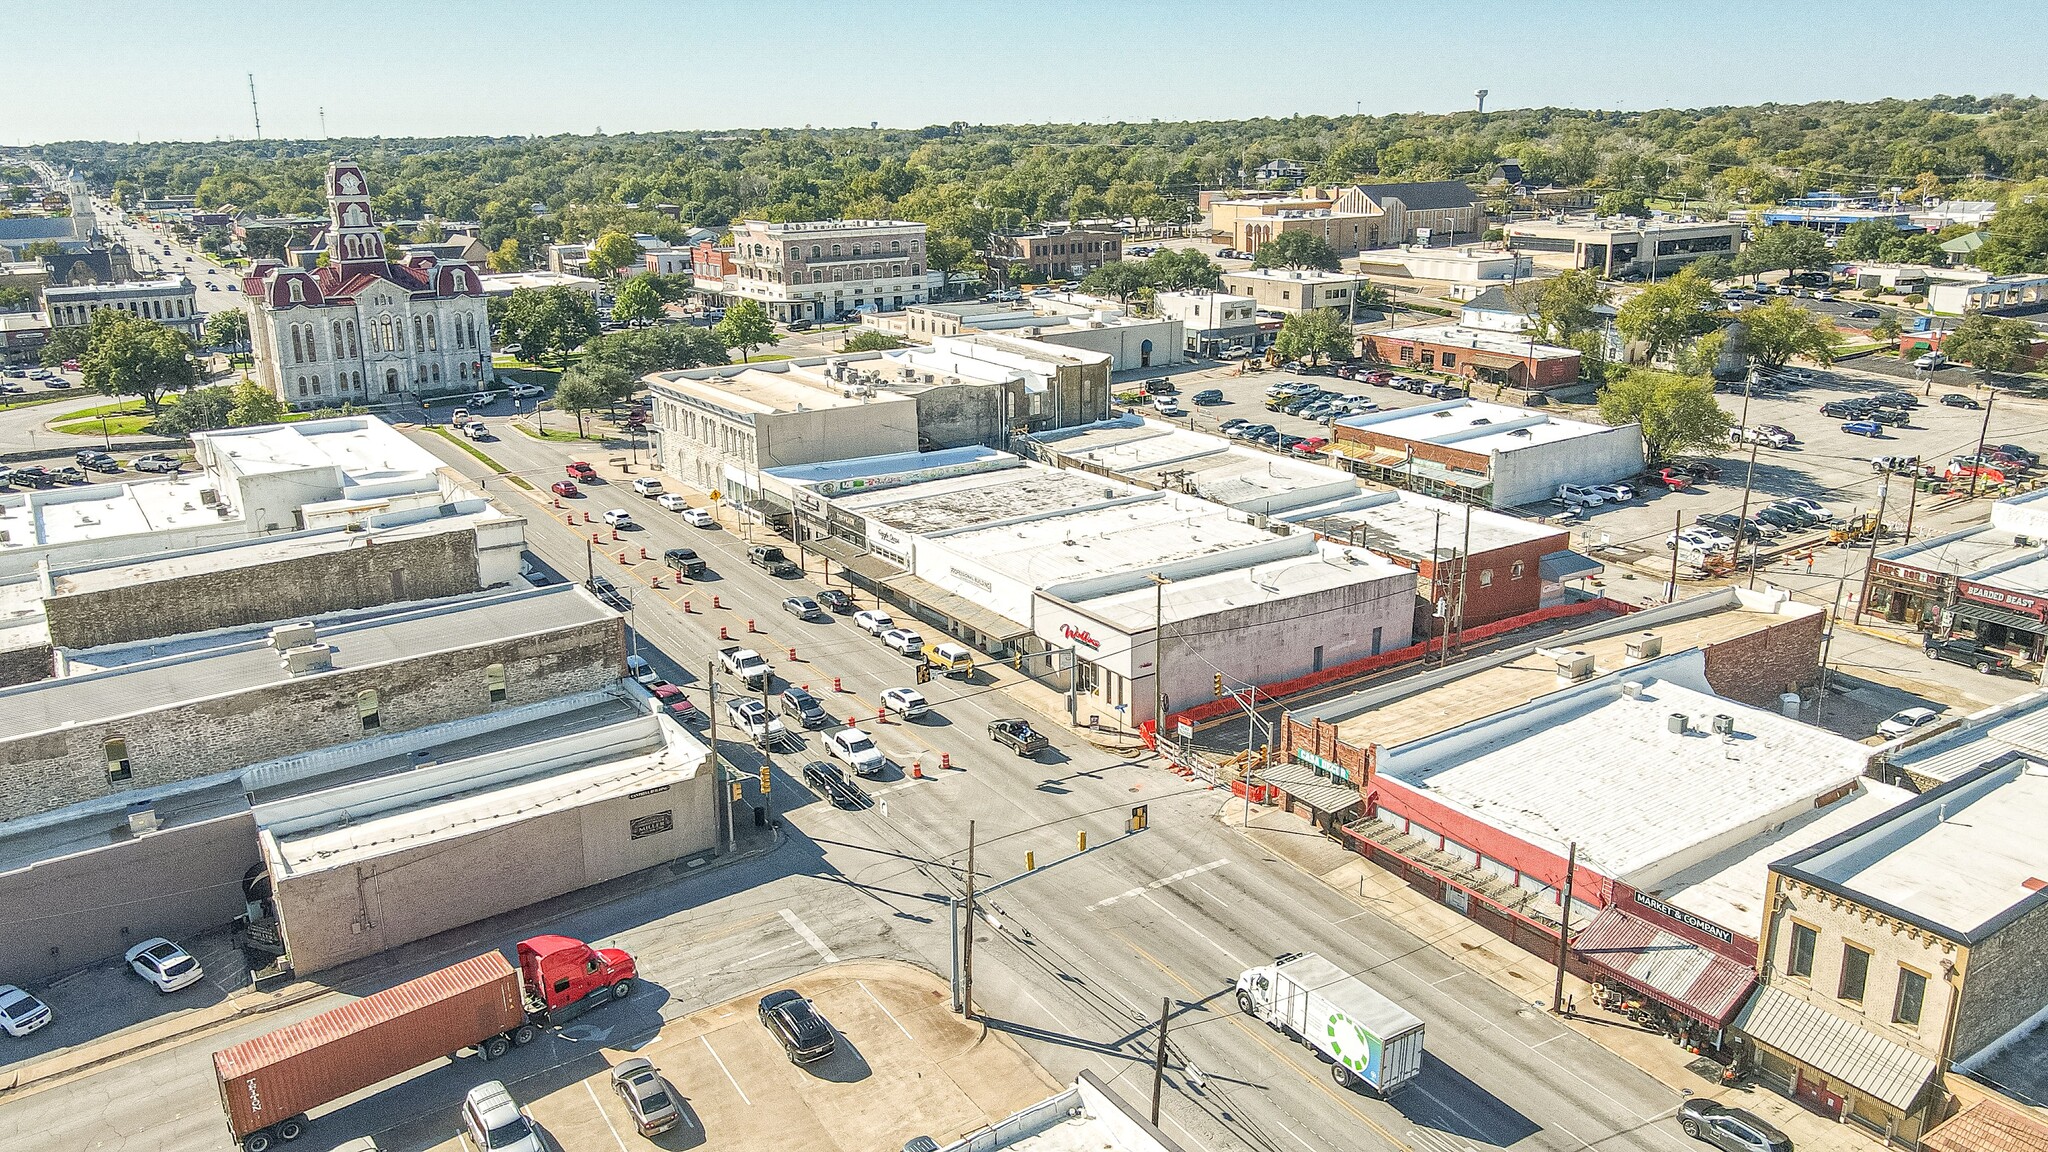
558, 971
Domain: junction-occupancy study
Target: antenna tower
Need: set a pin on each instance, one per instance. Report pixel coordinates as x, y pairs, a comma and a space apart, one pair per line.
253, 112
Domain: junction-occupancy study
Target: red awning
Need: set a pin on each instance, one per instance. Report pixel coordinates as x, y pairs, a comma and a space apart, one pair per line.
1702, 984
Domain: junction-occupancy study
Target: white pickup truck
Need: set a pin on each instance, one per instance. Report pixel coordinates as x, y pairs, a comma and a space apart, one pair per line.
753, 718
746, 664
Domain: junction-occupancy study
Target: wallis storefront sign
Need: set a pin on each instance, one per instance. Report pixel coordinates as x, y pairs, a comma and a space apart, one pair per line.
1080, 636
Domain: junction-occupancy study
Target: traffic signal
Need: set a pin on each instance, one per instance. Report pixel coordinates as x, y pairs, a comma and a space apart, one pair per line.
1138, 818
1219, 685
924, 673
736, 792
764, 779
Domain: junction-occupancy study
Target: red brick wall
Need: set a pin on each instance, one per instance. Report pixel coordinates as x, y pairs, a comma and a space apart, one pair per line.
1756, 668
1434, 453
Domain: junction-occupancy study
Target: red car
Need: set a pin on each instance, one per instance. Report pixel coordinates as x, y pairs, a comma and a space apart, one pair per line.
678, 705
1312, 445
1672, 478
1377, 376
566, 488
581, 471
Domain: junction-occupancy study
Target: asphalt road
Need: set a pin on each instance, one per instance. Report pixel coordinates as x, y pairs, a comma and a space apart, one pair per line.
1074, 959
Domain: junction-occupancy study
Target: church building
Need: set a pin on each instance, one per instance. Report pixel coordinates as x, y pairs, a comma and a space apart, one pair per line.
358, 329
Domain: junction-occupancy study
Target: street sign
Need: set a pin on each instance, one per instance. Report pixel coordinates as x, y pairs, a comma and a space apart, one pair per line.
715, 494
1184, 731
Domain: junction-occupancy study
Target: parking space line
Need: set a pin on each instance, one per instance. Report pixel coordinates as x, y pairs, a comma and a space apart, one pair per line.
803, 931
728, 1072
885, 1011
599, 1105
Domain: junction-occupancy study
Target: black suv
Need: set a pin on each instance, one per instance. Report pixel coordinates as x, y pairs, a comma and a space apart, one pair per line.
1730, 1129
804, 707
803, 1034
1968, 653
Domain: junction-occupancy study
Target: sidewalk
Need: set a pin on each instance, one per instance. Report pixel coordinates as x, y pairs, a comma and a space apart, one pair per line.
1528, 977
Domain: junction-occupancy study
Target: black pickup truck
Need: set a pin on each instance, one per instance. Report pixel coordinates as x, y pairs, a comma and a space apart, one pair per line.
685, 561
1018, 736
770, 559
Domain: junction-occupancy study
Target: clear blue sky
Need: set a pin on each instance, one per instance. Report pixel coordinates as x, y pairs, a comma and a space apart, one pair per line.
97, 70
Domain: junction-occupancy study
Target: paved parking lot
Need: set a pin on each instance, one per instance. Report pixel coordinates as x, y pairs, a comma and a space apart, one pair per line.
905, 1067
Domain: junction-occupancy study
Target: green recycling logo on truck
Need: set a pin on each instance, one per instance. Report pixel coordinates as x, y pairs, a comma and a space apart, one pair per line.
1352, 1046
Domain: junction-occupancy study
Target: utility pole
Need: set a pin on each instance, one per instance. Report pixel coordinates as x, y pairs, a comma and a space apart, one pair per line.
1742, 527
967, 942
1436, 564
1158, 657
1671, 591
254, 113
1564, 930
717, 765
1159, 1057
1876, 530
1464, 581
1977, 465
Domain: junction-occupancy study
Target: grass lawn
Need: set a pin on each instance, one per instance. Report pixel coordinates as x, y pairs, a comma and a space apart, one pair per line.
563, 435
464, 444
758, 357
128, 418
12, 401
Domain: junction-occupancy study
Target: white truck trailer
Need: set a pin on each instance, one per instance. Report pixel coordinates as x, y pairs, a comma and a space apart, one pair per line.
1369, 1039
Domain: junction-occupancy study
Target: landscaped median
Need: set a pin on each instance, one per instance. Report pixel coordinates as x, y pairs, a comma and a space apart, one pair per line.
480, 454
126, 418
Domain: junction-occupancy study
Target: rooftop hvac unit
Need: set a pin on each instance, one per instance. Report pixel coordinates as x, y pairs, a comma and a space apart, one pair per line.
1644, 646
142, 819
1574, 666
1632, 690
208, 497
311, 658
296, 635
1724, 724
1677, 723
2023, 541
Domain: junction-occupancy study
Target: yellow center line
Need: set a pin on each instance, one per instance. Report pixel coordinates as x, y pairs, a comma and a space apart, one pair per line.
1285, 1058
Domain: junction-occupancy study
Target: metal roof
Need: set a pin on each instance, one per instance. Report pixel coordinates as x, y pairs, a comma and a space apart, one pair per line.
1704, 983
2018, 725
1988, 1126
1836, 1045
1311, 787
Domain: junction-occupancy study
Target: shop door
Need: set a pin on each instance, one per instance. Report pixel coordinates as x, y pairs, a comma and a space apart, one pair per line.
1813, 1092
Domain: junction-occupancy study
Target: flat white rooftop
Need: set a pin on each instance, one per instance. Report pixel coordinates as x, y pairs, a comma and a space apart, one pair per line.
1728, 889
1272, 582
33, 519
1959, 857
1147, 533
365, 449
1481, 340
961, 502
1472, 425
1413, 525
1292, 276
1592, 765
777, 386
1951, 749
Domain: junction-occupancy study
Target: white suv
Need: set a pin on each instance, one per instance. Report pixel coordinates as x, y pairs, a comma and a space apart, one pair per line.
1578, 496
496, 1123
874, 622
647, 486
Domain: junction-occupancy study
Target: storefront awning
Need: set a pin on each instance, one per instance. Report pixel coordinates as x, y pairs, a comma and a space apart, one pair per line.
1992, 614
1490, 360
1837, 1046
1557, 567
1700, 983
998, 629
868, 567
1311, 788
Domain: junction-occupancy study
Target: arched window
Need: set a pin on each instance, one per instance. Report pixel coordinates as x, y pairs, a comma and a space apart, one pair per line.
814, 251
334, 337
462, 370
367, 711
895, 245
494, 680
391, 379
353, 348
296, 291
390, 335
298, 349
356, 381
461, 280
433, 337
419, 335
434, 370
351, 248
420, 373
117, 747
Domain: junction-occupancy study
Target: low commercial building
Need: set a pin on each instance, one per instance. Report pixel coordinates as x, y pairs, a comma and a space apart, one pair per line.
1055, 567
498, 284
1482, 453
1933, 755
1480, 354
1354, 218
1907, 949
1063, 320
22, 336
1296, 290
1087, 1115
1482, 565
1988, 582
171, 301
1622, 247
1835, 219
1611, 771
1998, 294
1157, 455
349, 472
1214, 322
1056, 253
1470, 268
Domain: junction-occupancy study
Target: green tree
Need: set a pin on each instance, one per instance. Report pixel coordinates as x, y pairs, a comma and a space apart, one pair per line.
1320, 333
126, 355
746, 327
948, 254
637, 299
506, 256
227, 329
662, 349
1782, 246
1296, 250
2016, 239
1120, 278
579, 395
266, 243
1562, 306
65, 344
1780, 330
611, 252
254, 405
1864, 240
1713, 266
1666, 314
1627, 203
1886, 329
1677, 413
1990, 343
872, 341
17, 299
548, 323
41, 249
1183, 270
199, 410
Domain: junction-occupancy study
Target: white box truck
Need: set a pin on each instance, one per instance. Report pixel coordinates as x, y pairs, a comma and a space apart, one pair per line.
1369, 1039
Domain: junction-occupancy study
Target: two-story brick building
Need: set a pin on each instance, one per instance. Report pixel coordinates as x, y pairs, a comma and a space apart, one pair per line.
1907, 949
1057, 252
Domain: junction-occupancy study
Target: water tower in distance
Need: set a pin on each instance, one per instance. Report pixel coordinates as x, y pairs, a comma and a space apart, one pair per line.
1481, 94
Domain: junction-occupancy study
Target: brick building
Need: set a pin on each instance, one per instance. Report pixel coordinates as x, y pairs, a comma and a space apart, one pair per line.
1485, 453
1909, 949
1057, 253
1479, 354
818, 269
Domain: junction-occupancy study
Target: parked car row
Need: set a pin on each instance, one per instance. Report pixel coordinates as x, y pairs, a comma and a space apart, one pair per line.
162, 964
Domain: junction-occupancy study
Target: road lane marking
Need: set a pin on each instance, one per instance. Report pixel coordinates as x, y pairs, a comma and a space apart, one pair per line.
885, 1011
599, 1104
804, 932
728, 1072
1162, 882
